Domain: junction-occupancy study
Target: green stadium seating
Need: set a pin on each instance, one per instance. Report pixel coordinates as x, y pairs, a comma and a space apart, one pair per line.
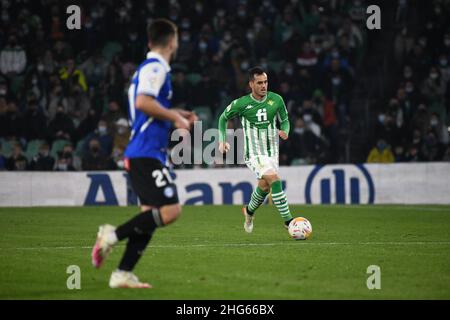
33, 148
193, 78
6, 148
111, 49
57, 146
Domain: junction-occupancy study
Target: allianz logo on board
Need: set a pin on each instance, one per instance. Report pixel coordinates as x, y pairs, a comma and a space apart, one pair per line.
339, 184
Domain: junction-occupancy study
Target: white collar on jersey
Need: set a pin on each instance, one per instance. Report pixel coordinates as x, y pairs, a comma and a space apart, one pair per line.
160, 58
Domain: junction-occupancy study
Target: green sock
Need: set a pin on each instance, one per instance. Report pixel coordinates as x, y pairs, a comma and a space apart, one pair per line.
279, 199
258, 197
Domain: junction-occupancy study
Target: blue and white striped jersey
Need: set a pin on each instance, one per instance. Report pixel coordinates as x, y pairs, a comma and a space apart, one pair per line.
149, 136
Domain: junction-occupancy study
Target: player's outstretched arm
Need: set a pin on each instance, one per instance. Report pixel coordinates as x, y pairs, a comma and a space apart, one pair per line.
151, 107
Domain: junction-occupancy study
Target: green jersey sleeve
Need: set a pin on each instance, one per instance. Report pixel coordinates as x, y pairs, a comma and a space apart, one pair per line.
231, 111
283, 117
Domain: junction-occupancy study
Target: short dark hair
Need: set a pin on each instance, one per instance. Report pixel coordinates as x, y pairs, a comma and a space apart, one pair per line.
160, 31
254, 71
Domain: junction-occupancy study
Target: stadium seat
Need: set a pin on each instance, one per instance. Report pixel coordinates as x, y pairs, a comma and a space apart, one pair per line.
79, 150
6, 149
33, 148
193, 78
205, 115
57, 146
111, 49
299, 162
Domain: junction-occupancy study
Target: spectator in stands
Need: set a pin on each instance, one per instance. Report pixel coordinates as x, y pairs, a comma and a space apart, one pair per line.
43, 161
95, 160
102, 135
88, 125
70, 157
15, 124
17, 161
64, 163
381, 153
182, 90
434, 87
35, 122
112, 115
72, 76
13, 58
61, 127
304, 144
122, 134
56, 99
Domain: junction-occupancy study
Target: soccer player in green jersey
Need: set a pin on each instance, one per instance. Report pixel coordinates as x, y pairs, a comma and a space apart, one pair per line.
259, 112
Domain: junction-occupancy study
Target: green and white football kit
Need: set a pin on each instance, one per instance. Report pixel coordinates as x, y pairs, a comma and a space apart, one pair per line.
259, 123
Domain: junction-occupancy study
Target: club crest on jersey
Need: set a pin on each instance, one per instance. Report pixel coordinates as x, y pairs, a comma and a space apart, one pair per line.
270, 102
249, 107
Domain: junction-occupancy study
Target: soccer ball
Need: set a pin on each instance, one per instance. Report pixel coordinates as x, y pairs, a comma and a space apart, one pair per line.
300, 228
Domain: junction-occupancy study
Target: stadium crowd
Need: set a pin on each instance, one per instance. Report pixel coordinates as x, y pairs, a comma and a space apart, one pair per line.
63, 93
414, 124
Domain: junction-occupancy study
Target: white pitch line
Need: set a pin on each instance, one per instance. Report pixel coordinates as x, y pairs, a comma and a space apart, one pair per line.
251, 245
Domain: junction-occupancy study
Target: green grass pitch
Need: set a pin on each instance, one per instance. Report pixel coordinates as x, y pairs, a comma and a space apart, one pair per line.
207, 255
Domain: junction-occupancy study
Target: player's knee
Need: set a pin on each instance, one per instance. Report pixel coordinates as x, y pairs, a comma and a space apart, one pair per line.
270, 179
170, 213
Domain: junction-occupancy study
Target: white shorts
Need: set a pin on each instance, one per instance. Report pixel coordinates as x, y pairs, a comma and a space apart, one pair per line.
261, 164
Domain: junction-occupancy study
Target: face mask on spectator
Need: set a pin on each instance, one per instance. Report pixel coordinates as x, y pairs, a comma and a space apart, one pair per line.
250, 36
447, 42
185, 24
336, 81
40, 67
34, 81
94, 14
102, 130
242, 13
335, 54
443, 62
203, 46
434, 122
307, 118
227, 37
409, 89
381, 118
121, 130
423, 42
3, 91
433, 76
244, 65
62, 166
407, 74
299, 130
289, 71
221, 13
133, 36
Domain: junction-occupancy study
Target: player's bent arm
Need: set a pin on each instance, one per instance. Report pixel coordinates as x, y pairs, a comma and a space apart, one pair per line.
151, 107
285, 126
223, 127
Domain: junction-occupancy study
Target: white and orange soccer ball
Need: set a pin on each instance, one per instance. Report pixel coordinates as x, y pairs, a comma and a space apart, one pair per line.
300, 228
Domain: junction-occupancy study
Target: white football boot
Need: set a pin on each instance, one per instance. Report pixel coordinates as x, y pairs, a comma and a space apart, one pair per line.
126, 279
103, 246
248, 223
